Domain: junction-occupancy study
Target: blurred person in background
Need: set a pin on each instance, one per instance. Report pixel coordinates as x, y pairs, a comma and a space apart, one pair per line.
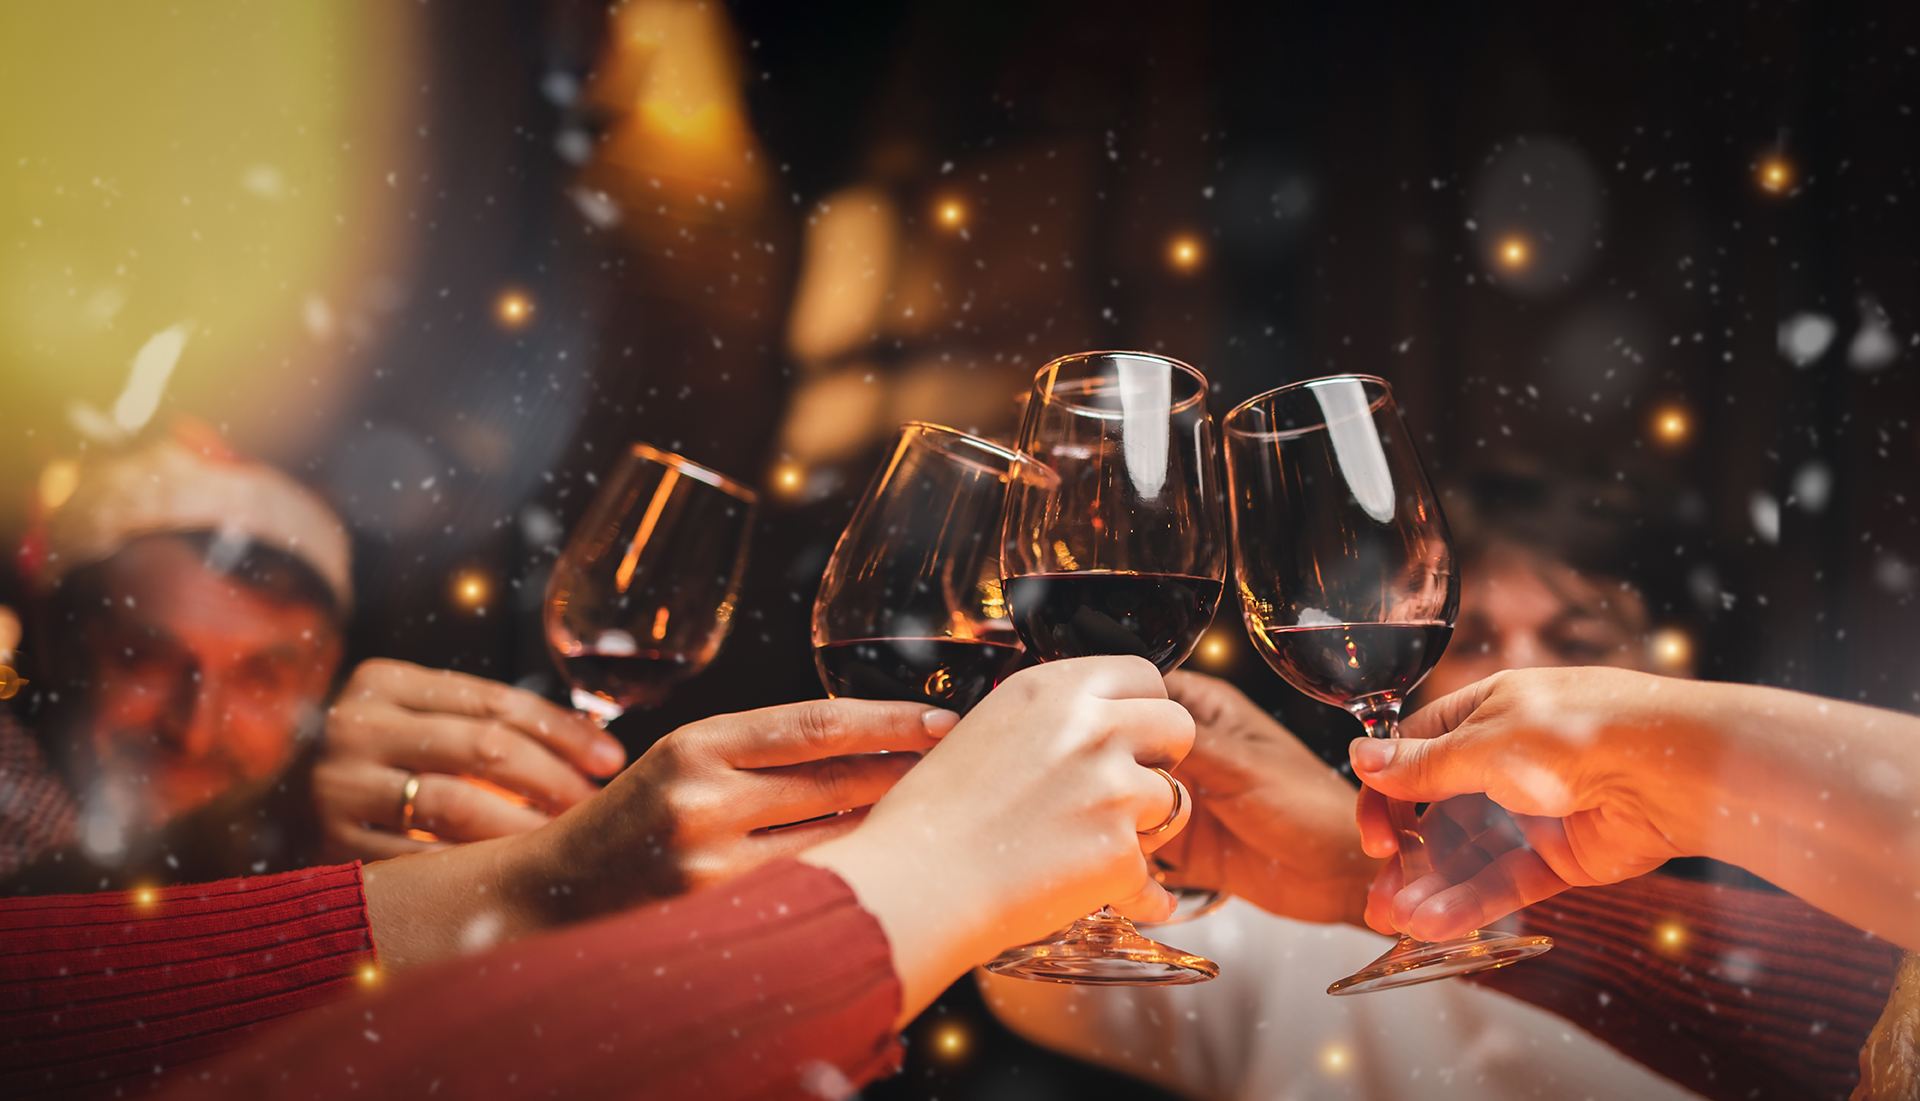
1544, 562
187, 628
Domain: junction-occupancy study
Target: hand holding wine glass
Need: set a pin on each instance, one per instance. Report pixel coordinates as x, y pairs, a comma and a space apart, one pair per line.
1348, 586
1122, 552
642, 596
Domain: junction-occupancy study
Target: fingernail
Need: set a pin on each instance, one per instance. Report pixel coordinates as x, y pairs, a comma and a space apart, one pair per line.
608, 756
939, 721
1372, 754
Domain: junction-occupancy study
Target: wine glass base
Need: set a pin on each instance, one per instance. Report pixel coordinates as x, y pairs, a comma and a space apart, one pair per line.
1411, 961
1103, 950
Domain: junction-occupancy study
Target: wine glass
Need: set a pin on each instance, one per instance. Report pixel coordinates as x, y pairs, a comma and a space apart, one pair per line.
911, 607
643, 594
1348, 587
1122, 552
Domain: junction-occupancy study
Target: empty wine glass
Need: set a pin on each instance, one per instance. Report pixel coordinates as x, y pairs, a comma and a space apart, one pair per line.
911, 607
1348, 587
643, 594
1123, 552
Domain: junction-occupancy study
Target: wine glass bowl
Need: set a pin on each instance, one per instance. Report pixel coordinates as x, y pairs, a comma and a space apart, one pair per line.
1349, 590
643, 594
911, 605
1122, 551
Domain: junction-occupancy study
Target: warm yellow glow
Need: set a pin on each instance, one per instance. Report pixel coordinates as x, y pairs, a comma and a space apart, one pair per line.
369, 974
1669, 936
788, 478
144, 896
1672, 425
1215, 649
471, 589
513, 309
950, 1041
1671, 649
57, 482
1514, 253
950, 213
1186, 253
1774, 174
1335, 1058
10, 681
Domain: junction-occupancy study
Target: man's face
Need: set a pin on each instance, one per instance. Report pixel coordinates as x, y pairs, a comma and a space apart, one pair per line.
199, 682
1520, 610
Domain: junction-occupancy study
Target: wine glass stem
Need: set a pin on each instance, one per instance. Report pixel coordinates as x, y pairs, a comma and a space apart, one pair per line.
1382, 720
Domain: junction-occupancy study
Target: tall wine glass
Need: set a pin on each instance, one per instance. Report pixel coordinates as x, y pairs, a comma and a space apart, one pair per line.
643, 593
1348, 586
911, 606
1123, 552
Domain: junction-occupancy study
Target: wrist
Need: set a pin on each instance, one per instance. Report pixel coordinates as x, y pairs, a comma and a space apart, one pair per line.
1672, 751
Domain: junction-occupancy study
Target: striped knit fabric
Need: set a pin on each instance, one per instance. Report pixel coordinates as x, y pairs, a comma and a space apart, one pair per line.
97, 989
37, 812
1733, 993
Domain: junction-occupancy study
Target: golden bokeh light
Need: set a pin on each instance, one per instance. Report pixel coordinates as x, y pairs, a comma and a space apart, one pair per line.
58, 480
1216, 649
1185, 253
1669, 936
471, 589
1774, 174
1671, 424
1514, 252
951, 213
145, 896
1335, 1058
950, 1041
513, 309
1671, 650
788, 479
369, 974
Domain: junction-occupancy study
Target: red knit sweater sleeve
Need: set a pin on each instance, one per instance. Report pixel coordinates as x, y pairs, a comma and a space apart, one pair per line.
1733, 993
98, 989
774, 985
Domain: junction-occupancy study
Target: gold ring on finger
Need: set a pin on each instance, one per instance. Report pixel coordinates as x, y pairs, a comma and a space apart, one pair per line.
409, 792
1179, 804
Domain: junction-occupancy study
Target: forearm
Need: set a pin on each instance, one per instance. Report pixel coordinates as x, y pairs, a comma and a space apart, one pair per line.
1817, 796
437, 904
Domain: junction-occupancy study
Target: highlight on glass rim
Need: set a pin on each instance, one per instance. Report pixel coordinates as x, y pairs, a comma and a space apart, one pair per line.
711, 548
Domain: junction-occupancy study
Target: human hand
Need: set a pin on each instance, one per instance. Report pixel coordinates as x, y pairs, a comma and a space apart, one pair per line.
394, 719
1025, 817
1271, 822
1542, 779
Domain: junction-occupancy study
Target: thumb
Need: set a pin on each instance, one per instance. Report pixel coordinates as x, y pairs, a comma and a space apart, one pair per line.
1422, 771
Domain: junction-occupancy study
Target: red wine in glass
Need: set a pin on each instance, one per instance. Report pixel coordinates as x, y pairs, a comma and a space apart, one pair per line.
939, 672
626, 679
1157, 616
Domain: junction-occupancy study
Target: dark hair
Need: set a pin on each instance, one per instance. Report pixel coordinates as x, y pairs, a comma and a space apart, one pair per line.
1592, 525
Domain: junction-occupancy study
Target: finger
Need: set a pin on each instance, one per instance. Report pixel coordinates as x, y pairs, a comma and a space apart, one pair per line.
1174, 811
791, 793
1427, 771
370, 845
1107, 678
794, 733
1150, 904
1517, 879
1380, 894
1378, 838
455, 810
1457, 867
1159, 732
443, 691
1444, 715
492, 751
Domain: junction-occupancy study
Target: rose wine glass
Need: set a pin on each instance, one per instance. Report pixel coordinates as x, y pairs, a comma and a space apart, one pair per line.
1123, 551
643, 593
911, 607
1348, 587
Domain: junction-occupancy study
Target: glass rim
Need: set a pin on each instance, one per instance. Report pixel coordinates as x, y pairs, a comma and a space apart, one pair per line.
1198, 397
1013, 457
1227, 425
688, 468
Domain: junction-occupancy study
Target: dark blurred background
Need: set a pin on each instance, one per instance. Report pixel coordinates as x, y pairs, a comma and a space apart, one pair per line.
1669, 248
